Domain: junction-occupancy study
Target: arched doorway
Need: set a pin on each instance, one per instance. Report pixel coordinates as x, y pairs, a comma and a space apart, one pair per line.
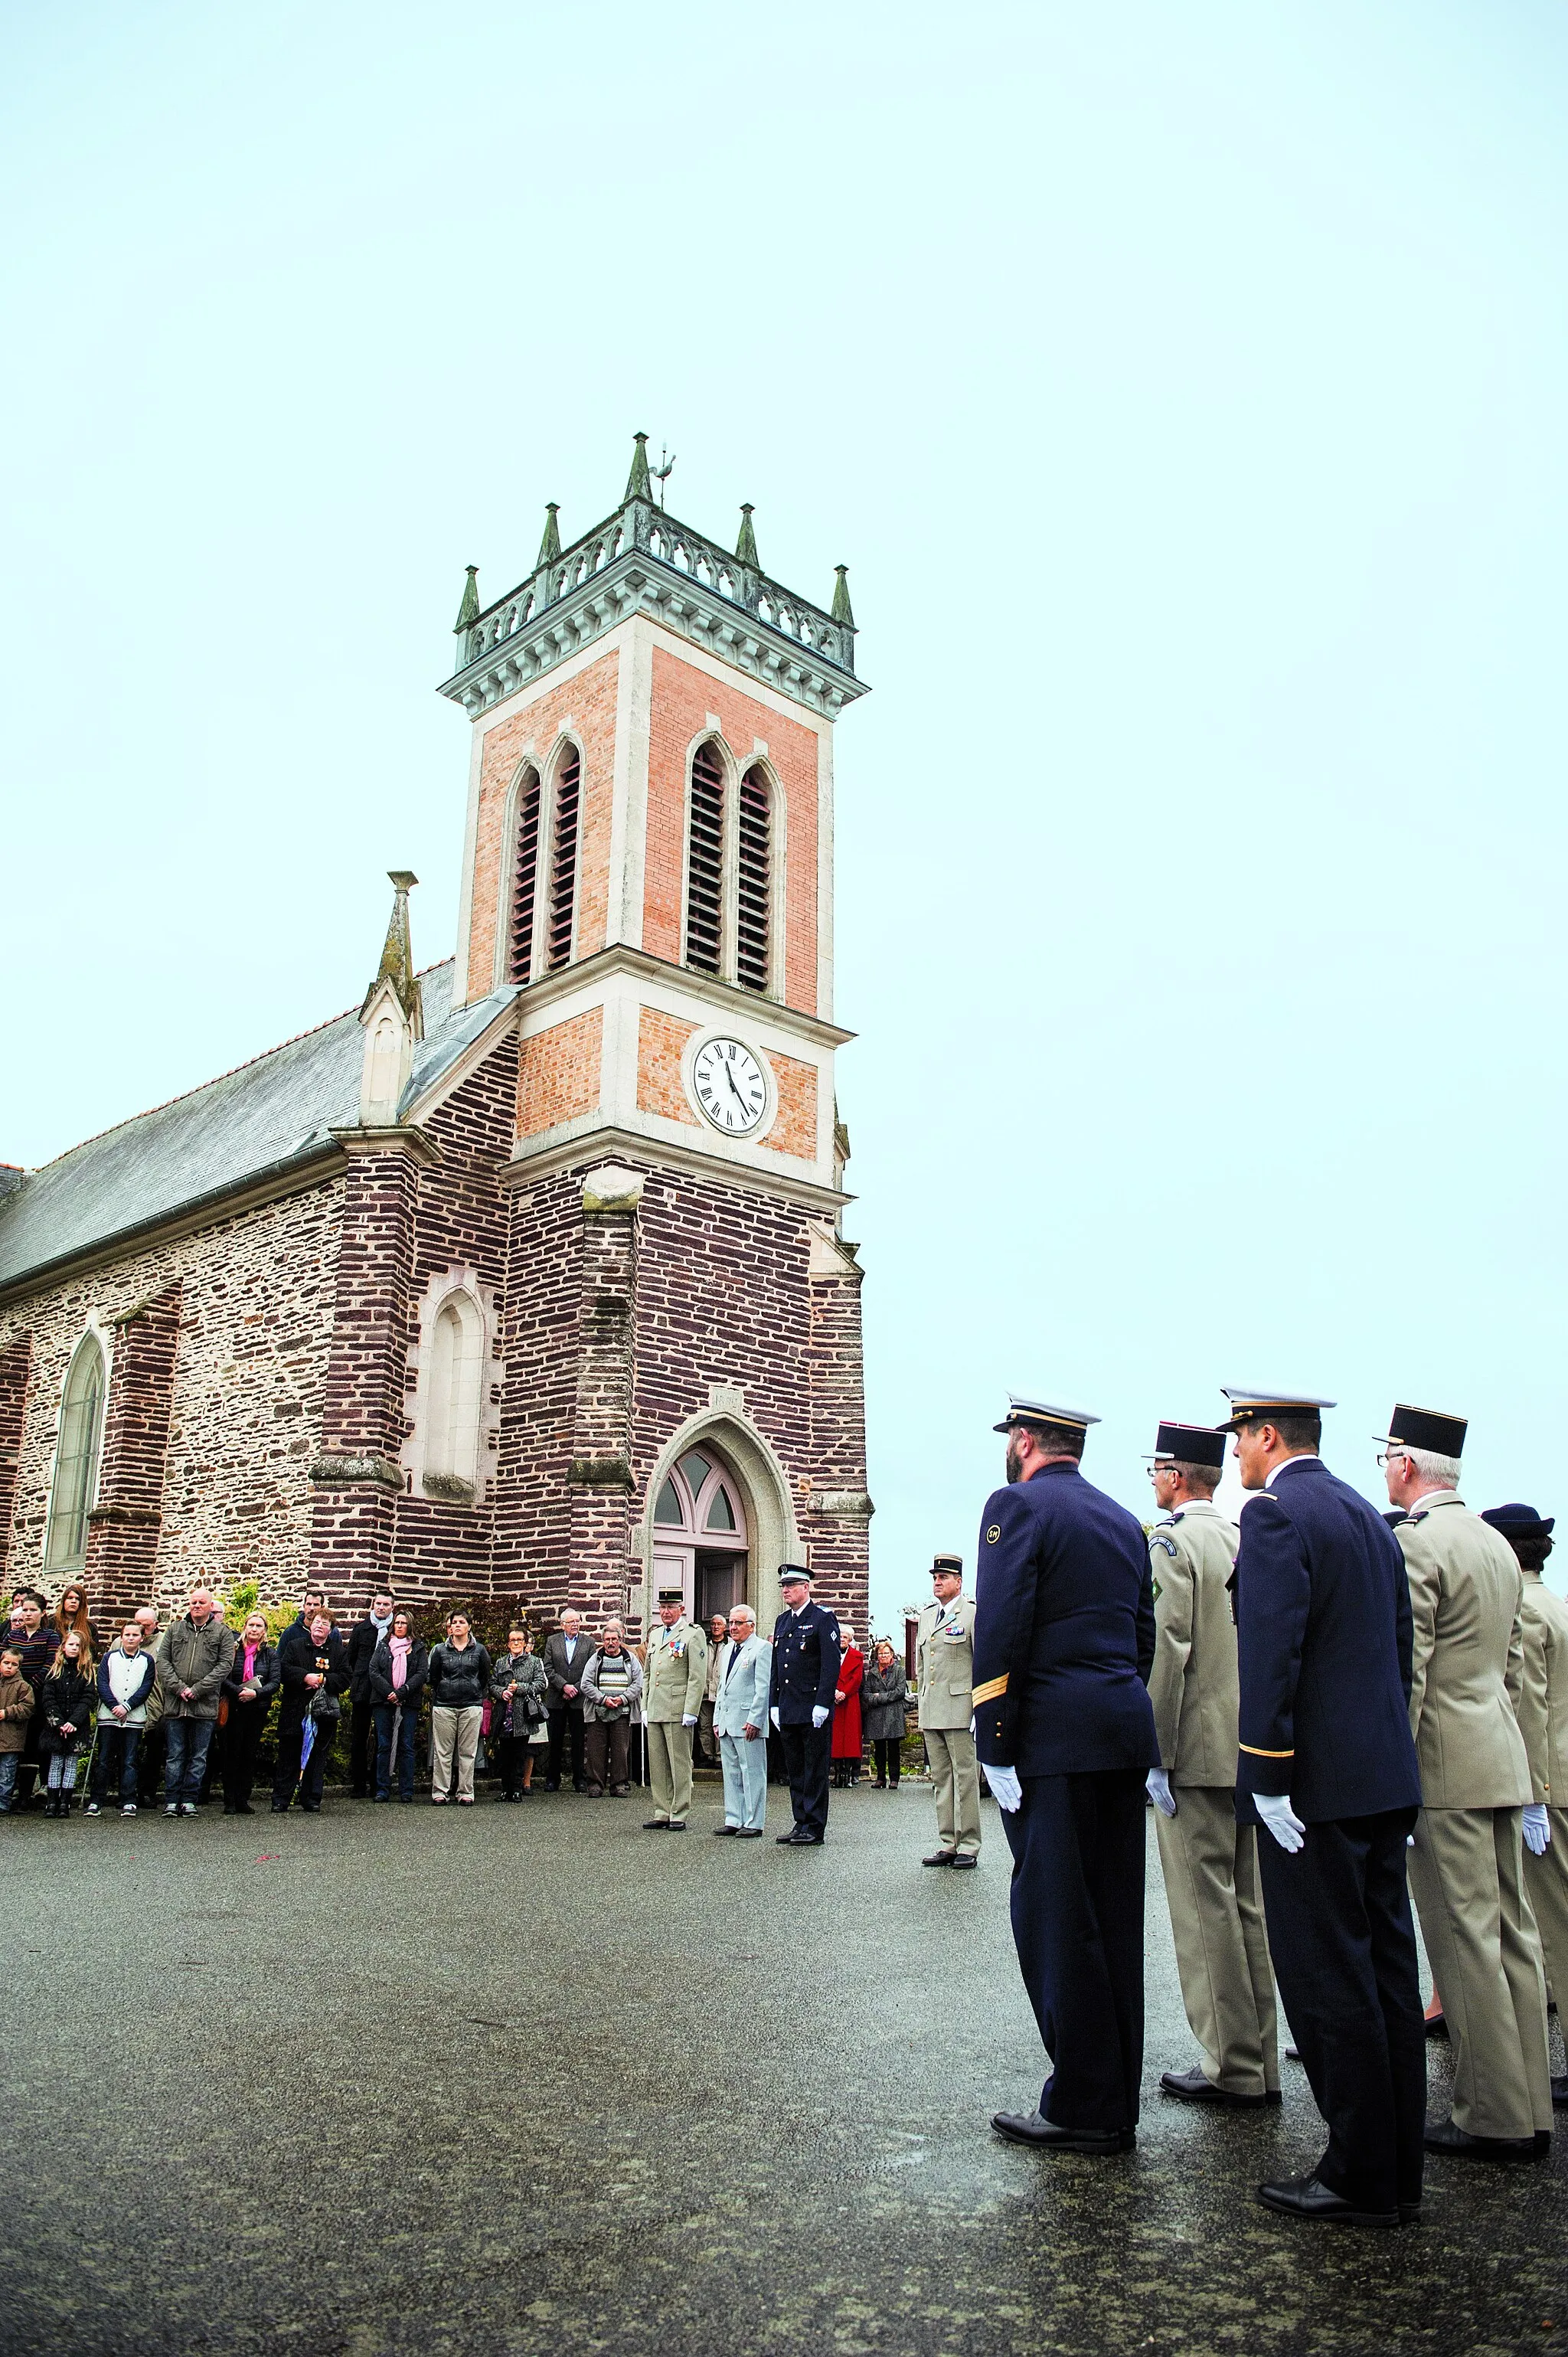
700, 1535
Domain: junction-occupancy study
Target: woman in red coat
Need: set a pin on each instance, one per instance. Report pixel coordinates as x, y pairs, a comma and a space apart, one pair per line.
848, 1744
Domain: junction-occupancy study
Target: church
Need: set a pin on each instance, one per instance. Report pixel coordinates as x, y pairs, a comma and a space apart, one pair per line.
525, 1277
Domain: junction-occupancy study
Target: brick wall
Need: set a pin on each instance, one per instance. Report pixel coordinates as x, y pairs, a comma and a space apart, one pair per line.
682, 697
558, 1073
249, 1362
15, 1361
661, 1044
123, 1526
722, 1295
794, 1129
588, 701
463, 1222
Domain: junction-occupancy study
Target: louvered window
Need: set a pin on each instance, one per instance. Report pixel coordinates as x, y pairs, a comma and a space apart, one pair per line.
525, 880
704, 861
753, 904
563, 865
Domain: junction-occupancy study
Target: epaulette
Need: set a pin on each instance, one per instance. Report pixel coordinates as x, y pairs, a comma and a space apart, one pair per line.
1412, 1519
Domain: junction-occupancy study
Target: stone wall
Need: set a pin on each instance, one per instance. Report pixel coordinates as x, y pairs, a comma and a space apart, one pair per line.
254, 1323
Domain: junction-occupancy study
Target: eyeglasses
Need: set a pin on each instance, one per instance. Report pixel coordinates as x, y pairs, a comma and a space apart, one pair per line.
1387, 1456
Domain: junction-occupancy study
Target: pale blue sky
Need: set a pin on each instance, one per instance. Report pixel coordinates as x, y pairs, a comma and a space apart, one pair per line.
1184, 388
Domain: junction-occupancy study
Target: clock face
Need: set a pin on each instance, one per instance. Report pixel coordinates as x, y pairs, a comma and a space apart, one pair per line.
730, 1086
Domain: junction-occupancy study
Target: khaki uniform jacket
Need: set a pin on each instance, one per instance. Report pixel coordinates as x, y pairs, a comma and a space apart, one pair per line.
944, 1666
1467, 1665
1543, 1700
1194, 1684
676, 1672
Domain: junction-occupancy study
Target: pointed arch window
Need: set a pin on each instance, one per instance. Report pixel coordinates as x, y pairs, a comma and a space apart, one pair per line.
704, 862
524, 879
76, 1456
754, 891
457, 1373
564, 858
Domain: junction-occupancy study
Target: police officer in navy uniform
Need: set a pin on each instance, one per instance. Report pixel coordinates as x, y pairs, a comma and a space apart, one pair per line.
1328, 1768
806, 1657
1064, 1638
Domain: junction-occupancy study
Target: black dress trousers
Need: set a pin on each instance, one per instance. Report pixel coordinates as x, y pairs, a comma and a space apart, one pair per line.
1078, 1925
1344, 1953
807, 1750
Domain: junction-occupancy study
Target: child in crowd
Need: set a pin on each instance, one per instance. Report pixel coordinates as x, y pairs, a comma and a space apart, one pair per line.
69, 1705
15, 1710
124, 1681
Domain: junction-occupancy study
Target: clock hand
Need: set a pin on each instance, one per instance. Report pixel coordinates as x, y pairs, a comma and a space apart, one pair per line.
734, 1091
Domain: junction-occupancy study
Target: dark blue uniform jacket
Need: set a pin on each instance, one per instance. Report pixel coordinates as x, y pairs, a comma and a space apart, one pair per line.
1064, 1630
1322, 1626
806, 1657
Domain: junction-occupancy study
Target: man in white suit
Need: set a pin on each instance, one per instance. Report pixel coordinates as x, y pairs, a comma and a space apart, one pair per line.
740, 1722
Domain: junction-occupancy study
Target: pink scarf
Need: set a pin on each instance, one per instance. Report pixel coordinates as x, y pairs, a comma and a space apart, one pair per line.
398, 1647
249, 1669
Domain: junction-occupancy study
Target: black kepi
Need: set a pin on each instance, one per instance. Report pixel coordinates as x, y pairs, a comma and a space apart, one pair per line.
1189, 1444
1423, 1427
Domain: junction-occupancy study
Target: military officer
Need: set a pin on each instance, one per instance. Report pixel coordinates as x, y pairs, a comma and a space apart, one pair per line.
944, 1679
1064, 1636
675, 1678
1209, 1860
1543, 1723
806, 1656
1328, 1767
1467, 1871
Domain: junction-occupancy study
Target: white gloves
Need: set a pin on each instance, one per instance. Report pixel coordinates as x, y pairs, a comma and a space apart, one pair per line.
820, 1713
1006, 1789
1275, 1811
689, 1719
1157, 1784
1537, 1828
773, 1715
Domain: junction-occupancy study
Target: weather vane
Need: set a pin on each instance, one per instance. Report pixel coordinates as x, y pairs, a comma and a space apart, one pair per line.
663, 472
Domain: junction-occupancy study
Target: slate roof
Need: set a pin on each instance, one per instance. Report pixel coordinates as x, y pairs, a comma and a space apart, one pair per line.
244, 1126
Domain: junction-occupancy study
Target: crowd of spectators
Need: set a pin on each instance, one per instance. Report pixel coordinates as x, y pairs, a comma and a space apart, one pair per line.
141, 1709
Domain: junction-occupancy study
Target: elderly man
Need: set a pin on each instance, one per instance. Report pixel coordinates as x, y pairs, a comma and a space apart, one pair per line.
1328, 1767
807, 1651
675, 1678
1064, 1634
944, 1680
740, 1722
196, 1660
566, 1652
1467, 1871
612, 1688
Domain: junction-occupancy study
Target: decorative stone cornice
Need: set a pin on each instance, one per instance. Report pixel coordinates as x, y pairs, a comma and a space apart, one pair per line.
599, 1473
336, 1472
849, 1505
640, 561
404, 1139
743, 1007
565, 1152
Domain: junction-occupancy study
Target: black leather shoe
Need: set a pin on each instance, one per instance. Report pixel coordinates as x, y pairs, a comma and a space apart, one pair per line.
1307, 2199
1193, 2087
1045, 2136
1441, 2136
1436, 2026
1293, 2054
748, 1832
725, 1833
1560, 2094
1410, 2213
656, 1825
963, 1862
676, 1826
939, 1857
798, 1839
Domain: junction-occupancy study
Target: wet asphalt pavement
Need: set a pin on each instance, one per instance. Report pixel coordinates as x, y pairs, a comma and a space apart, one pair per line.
509, 2080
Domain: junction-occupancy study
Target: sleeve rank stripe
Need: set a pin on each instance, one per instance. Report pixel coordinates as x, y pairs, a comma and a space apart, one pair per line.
1253, 1752
990, 1690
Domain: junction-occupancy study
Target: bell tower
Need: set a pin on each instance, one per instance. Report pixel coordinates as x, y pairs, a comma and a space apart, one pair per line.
647, 869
